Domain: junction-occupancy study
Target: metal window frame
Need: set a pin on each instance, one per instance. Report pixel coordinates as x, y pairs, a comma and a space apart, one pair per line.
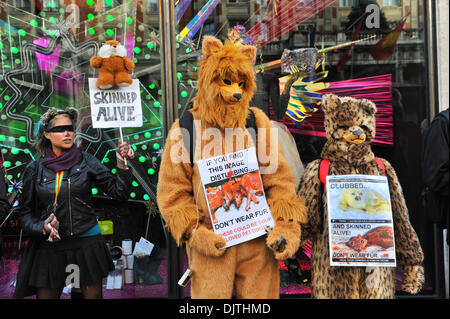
167, 19
432, 93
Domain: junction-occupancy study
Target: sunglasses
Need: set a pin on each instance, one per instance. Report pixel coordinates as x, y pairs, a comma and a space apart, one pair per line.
61, 129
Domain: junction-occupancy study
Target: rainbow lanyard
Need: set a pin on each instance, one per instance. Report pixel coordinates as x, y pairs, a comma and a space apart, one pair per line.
59, 178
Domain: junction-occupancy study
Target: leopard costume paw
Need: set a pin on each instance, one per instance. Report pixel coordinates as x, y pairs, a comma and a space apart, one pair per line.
413, 279
284, 239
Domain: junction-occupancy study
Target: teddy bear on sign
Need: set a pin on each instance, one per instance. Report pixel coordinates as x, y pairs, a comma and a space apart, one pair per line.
114, 66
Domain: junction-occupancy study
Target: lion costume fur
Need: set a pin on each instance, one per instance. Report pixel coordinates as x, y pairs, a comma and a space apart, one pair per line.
350, 127
225, 87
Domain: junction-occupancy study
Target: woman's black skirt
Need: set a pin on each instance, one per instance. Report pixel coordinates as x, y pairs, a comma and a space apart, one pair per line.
57, 264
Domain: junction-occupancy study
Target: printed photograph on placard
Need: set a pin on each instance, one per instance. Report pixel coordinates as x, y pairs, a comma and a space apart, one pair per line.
362, 244
368, 201
235, 196
239, 194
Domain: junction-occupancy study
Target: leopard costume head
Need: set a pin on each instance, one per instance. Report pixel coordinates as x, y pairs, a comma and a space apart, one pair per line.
348, 119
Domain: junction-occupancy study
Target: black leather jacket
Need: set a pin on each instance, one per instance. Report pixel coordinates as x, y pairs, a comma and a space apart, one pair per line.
74, 211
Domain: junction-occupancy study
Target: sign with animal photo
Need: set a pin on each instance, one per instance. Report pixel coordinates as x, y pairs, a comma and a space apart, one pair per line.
119, 107
360, 225
234, 191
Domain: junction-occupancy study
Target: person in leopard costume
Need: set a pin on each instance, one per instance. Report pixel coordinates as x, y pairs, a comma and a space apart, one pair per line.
350, 127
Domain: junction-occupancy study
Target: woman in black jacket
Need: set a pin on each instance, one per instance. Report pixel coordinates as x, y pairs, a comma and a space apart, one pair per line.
57, 211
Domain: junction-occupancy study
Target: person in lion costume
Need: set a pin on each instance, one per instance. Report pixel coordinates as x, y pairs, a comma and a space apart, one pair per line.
226, 83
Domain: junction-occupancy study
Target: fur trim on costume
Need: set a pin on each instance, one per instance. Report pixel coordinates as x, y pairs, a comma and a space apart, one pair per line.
182, 225
348, 112
284, 239
288, 210
207, 242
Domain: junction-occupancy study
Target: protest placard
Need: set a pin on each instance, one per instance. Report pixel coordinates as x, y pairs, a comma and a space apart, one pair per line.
360, 225
235, 196
119, 107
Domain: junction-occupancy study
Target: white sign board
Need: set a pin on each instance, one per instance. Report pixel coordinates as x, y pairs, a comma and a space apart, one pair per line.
119, 107
235, 195
360, 225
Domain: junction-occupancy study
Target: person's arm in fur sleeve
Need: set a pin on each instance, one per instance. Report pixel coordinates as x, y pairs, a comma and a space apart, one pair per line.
310, 190
288, 210
407, 246
174, 191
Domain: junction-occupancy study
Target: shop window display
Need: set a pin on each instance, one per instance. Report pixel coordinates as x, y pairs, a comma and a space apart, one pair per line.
45, 47
45, 64
369, 69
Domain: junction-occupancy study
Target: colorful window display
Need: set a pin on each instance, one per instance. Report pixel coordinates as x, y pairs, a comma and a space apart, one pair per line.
305, 49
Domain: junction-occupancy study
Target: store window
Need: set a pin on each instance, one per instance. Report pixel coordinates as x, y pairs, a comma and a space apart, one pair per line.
153, 5
32, 83
21, 4
209, 28
109, 4
393, 75
275, 26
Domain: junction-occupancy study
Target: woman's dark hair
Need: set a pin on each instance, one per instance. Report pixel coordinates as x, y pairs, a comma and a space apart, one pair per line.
47, 121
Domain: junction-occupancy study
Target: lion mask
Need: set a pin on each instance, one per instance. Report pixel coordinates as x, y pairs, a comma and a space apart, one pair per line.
226, 83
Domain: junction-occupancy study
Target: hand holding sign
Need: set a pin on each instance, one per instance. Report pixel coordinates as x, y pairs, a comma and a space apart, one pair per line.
123, 153
51, 226
207, 242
